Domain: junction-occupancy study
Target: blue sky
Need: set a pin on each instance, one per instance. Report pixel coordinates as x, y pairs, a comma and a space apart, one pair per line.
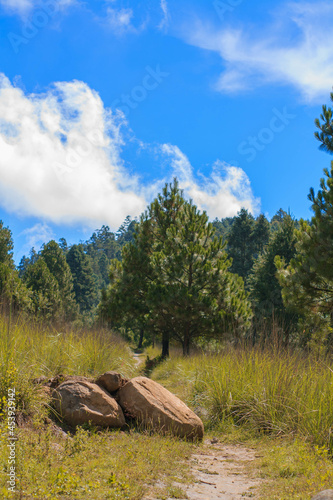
102, 102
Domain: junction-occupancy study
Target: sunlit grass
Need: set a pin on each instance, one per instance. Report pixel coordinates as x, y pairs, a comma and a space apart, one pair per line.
280, 393
96, 466
28, 351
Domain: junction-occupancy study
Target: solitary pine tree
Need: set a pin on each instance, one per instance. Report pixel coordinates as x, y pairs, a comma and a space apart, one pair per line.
174, 276
193, 292
126, 299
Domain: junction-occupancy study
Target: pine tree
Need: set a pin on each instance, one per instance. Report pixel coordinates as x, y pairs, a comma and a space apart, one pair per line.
83, 279
46, 296
192, 289
174, 277
265, 289
125, 233
13, 293
325, 125
56, 262
260, 234
240, 243
308, 281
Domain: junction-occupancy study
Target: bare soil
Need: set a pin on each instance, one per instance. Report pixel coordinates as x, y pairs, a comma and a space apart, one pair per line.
221, 472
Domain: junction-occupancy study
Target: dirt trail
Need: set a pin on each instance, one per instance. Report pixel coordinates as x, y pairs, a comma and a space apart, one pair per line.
220, 473
137, 358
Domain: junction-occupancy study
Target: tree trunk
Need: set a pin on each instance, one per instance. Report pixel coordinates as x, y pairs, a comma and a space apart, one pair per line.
165, 345
186, 341
141, 338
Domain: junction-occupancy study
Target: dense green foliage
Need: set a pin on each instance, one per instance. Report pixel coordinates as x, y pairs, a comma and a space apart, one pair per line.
308, 280
84, 284
174, 277
266, 291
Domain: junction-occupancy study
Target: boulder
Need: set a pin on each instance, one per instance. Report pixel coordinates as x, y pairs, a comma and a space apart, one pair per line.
80, 401
110, 381
324, 495
155, 407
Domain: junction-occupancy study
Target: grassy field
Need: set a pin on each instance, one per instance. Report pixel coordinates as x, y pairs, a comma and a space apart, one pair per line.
279, 403
89, 464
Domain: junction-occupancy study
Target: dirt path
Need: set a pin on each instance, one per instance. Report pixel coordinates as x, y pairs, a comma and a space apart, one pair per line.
137, 358
220, 473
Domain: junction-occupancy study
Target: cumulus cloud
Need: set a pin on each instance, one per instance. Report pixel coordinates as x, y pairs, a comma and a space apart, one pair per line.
60, 156
61, 160
293, 49
222, 194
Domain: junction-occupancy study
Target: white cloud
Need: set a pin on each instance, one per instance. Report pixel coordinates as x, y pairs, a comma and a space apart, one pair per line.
21, 6
294, 49
120, 20
222, 194
60, 157
61, 161
165, 21
36, 235
25, 7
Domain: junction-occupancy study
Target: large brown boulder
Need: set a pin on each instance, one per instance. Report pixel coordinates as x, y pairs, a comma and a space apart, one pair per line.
110, 381
155, 407
80, 401
324, 495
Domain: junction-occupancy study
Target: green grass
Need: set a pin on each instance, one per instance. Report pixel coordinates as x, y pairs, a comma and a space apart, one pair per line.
88, 464
28, 351
278, 393
279, 403
96, 466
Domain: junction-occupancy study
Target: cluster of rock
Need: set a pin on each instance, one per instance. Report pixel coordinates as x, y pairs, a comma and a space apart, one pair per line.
111, 401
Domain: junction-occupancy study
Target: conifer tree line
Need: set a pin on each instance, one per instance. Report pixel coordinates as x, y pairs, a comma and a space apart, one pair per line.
172, 276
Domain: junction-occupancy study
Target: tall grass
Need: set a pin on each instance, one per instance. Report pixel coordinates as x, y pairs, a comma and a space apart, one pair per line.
277, 392
29, 350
